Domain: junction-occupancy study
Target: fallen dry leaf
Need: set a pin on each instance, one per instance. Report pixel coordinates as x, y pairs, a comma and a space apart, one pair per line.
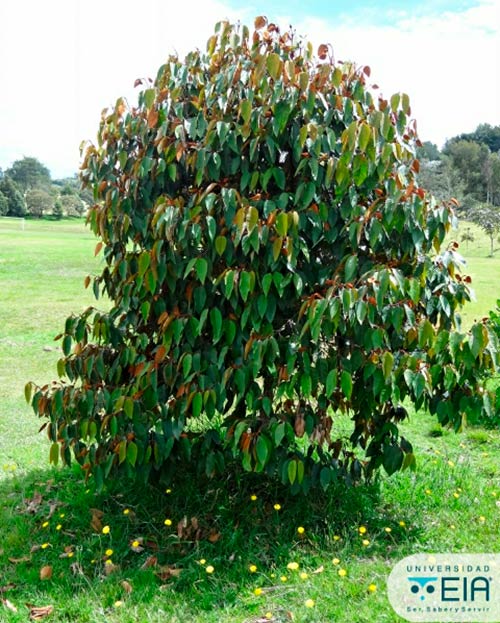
165, 572
95, 522
39, 613
127, 587
33, 504
46, 572
9, 605
151, 561
18, 560
110, 568
76, 568
213, 536
7, 587
320, 569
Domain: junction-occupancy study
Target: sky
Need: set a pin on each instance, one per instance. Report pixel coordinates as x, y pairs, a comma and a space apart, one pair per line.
63, 61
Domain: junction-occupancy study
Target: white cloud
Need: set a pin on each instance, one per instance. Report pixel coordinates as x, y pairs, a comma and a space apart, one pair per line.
62, 62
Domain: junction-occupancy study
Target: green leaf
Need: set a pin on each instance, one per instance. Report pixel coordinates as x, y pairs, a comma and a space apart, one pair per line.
267, 281
149, 97
292, 471
279, 433
220, 244
132, 453
144, 262
197, 404
262, 449
186, 364
245, 110
364, 136
282, 224
387, 364
350, 267
392, 459
54, 453
331, 383
274, 64
201, 267
346, 384
277, 245
245, 284
216, 322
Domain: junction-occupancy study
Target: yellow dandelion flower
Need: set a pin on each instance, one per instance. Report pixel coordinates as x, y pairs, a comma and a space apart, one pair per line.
109, 562
45, 545
494, 494
402, 524
482, 519
109, 552
452, 527
253, 497
252, 568
342, 573
135, 543
388, 530
106, 530
372, 588
62, 515
277, 507
428, 491
168, 491
303, 575
300, 530
59, 526
209, 569
257, 591
292, 566
309, 603
202, 561
168, 522
118, 604
70, 554
283, 578
362, 529
45, 524
126, 511
269, 616
365, 542
451, 463
336, 537
336, 561
456, 495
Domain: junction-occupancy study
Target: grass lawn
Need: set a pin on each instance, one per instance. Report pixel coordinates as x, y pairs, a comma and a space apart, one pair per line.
154, 563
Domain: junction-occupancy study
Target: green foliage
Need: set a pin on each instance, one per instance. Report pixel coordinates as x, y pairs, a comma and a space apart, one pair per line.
29, 173
72, 204
38, 202
15, 201
487, 217
58, 209
4, 204
268, 257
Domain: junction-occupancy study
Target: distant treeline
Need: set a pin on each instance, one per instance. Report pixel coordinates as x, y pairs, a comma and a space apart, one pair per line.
27, 189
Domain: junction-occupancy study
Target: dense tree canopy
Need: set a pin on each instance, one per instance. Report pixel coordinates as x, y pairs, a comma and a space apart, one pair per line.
29, 173
273, 267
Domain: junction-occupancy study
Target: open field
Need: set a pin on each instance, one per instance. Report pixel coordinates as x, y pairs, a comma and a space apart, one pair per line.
450, 504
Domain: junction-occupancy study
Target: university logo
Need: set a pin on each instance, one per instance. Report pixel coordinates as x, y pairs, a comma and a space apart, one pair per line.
446, 587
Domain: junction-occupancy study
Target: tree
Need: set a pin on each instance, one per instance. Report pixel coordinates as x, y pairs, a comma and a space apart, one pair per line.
57, 211
484, 134
29, 173
4, 204
16, 203
39, 202
488, 218
72, 204
269, 258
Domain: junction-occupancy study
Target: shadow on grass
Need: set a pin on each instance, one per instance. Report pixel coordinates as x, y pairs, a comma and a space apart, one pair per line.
171, 538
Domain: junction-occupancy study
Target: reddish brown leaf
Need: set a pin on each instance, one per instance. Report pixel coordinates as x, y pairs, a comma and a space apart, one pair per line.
152, 118
214, 536
152, 561
46, 572
138, 82
323, 51
260, 22
33, 504
165, 572
127, 587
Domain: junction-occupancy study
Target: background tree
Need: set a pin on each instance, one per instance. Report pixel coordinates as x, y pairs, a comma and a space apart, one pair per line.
271, 264
488, 218
39, 202
29, 173
484, 134
4, 204
58, 211
16, 203
72, 205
